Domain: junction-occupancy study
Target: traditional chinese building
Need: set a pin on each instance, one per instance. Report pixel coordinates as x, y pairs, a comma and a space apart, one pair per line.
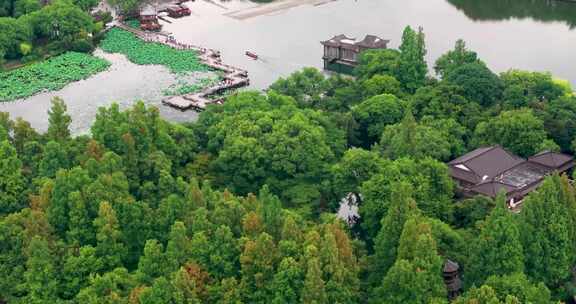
341, 54
490, 170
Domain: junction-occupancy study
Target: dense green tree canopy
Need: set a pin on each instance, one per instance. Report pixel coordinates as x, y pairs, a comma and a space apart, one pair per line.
240, 205
498, 250
455, 58
520, 131
479, 83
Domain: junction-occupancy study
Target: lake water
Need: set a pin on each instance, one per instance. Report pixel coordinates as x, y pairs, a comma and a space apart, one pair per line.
535, 35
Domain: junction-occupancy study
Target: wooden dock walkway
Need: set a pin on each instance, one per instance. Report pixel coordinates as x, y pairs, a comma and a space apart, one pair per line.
233, 77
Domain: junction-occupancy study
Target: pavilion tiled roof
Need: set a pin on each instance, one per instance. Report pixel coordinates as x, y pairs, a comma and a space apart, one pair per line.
490, 170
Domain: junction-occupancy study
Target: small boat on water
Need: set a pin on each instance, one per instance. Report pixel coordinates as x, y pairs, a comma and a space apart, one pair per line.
251, 55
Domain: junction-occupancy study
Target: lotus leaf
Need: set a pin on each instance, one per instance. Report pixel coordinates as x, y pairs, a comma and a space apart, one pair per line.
50, 75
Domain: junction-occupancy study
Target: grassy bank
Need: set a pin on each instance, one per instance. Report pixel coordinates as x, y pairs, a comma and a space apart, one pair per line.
50, 75
141, 52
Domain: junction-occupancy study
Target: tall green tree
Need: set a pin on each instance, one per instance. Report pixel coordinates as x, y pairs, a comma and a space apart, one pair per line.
12, 186
402, 207
178, 248
288, 282
59, 121
78, 269
412, 67
546, 236
377, 62
498, 249
314, 291
53, 159
416, 275
110, 247
455, 58
257, 262
41, 273
411, 139
81, 232
152, 264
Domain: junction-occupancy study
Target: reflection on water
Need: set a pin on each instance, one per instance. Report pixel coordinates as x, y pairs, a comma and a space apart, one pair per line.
289, 40
540, 10
123, 83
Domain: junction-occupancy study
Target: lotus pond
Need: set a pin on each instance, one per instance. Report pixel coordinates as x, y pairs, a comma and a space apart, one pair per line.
50, 75
141, 52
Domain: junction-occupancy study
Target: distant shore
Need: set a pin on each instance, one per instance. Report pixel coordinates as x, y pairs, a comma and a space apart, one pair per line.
273, 7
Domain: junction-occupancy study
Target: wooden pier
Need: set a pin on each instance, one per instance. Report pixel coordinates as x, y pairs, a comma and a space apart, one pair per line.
233, 77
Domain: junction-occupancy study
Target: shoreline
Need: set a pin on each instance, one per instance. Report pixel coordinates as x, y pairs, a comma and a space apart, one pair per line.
273, 7
233, 77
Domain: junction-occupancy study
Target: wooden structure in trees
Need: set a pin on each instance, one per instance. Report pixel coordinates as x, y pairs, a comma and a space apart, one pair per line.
451, 274
341, 54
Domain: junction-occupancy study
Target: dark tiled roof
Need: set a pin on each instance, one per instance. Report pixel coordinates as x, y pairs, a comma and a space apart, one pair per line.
336, 41
466, 157
373, 42
488, 162
369, 42
464, 175
551, 159
492, 188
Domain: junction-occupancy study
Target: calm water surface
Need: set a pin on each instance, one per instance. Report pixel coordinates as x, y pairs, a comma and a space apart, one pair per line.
535, 35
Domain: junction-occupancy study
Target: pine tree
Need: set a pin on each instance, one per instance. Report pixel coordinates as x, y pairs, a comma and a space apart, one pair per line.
313, 291
41, 274
271, 212
257, 264
77, 270
11, 180
403, 143
545, 227
59, 121
412, 67
109, 237
152, 264
402, 207
191, 281
224, 254
178, 248
287, 282
66, 182
53, 159
341, 275
23, 133
498, 250
230, 292
416, 277
80, 232
160, 292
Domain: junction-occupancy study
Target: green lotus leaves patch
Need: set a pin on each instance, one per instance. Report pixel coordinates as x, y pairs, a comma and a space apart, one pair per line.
141, 52
50, 75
